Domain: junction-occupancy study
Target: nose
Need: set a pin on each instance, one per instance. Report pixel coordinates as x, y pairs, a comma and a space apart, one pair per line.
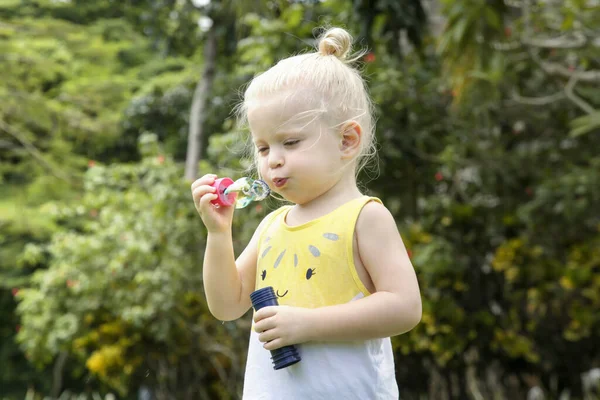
275, 158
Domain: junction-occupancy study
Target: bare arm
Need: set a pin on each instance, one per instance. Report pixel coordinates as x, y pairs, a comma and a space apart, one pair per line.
394, 308
229, 282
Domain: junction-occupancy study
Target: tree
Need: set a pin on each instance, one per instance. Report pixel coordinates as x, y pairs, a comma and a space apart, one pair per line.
199, 101
222, 17
122, 294
494, 197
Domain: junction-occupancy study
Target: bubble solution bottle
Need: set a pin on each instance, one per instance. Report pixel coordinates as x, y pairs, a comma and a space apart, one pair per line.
283, 356
241, 192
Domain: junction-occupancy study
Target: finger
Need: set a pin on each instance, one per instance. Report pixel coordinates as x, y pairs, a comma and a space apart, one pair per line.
198, 182
274, 344
267, 336
264, 325
201, 191
205, 200
265, 312
207, 179
202, 182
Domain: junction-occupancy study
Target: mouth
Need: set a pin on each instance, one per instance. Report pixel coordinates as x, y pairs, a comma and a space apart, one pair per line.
281, 295
280, 182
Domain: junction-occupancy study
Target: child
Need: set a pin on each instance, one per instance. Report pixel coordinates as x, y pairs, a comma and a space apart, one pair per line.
335, 258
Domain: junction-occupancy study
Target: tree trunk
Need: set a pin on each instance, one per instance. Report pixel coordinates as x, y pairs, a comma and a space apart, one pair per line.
198, 109
57, 374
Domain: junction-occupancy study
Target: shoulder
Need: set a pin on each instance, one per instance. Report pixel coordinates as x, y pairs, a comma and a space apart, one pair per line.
373, 216
269, 218
262, 227
376, 228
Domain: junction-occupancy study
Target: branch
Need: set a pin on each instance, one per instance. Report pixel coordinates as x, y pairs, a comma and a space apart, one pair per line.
57, 373
519, 3
552, 68
6, 144
570, 40
425, 156
513, 3
556, 69
576, 99
538, 101
33, 150
506, 46
545, 100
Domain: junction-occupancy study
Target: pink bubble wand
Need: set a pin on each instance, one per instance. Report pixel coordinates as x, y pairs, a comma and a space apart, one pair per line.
239, 193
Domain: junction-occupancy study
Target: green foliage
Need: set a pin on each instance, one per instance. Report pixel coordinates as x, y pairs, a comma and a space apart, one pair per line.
102, 248
123, 290
503, 198
65, 77
466, 43
585, 124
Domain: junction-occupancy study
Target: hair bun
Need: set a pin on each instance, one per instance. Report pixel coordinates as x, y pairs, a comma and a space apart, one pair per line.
335, 42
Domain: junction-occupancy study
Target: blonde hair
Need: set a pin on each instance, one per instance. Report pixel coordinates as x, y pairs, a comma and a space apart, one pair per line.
331, 80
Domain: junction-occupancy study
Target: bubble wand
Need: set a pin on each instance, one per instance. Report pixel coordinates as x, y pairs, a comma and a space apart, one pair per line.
239, 193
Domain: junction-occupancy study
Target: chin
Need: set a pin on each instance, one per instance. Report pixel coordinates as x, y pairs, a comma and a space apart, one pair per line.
299, 200
288, 197
281, 194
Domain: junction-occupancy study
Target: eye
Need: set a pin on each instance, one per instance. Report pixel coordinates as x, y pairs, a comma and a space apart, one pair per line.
262, 150
291, 142
264, 274
310, 272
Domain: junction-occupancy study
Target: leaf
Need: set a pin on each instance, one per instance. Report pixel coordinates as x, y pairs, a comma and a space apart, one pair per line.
587, 123
460, 29
480, 75
293, 15
567, 22
444, 43
492, 18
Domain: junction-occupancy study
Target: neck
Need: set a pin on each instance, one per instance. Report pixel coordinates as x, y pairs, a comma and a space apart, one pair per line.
343, 191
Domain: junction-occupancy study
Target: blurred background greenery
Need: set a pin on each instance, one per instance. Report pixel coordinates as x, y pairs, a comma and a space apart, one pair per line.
488, 127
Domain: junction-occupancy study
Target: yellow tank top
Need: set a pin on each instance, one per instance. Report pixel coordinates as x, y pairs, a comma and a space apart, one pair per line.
311, 265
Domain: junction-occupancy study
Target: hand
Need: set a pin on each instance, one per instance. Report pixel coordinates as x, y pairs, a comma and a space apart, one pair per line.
280, 326
216, 219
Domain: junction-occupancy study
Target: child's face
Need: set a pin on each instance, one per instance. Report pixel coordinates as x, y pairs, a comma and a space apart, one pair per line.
299, 155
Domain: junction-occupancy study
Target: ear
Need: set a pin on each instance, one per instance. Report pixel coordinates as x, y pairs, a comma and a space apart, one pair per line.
351, 139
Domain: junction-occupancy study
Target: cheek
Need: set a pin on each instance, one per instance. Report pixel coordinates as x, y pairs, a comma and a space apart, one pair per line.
261, 166
316, 163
